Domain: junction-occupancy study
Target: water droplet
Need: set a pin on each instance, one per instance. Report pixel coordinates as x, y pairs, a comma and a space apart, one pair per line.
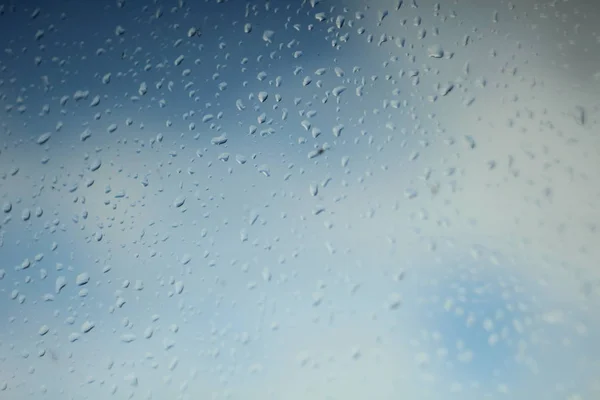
179, 287
73, 337
61, 282
87, 326
82, 279
264, 169
44, 329
435, 51
179, 201
268, 36
44, 137
337, 91
128, 337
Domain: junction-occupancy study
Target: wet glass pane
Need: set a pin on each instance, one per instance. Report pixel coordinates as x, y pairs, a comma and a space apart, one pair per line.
322, 199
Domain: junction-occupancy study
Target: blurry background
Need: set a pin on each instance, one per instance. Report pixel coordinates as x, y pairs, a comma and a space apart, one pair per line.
289, 200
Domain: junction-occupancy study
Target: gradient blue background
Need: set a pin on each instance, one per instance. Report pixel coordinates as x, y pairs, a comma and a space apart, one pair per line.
442, 246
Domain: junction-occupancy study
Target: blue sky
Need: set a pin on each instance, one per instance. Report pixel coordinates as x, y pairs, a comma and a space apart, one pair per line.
382, 223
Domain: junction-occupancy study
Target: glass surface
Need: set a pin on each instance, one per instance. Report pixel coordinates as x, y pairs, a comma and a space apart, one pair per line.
299, 199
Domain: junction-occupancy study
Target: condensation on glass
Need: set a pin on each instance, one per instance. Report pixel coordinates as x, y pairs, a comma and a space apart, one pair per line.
305, 199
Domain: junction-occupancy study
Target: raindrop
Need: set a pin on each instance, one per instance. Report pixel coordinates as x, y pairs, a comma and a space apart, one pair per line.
43, 138
82, 279
268, 36
338, 91
435, 51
